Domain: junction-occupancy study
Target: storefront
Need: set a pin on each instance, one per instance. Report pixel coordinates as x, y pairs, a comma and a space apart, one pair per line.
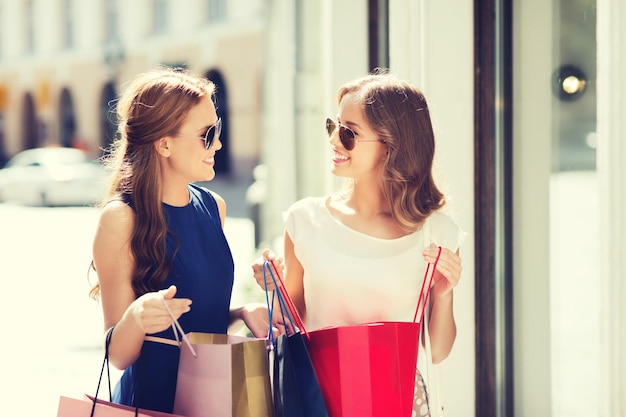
526, 101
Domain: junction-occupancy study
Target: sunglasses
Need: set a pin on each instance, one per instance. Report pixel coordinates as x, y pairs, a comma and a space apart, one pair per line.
346, 135
212, 133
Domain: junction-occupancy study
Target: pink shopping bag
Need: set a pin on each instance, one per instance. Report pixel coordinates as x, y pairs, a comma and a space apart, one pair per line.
84, 407
92, 406
228, 377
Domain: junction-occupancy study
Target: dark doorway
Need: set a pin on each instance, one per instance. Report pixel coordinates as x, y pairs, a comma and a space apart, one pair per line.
108, 115
3, 105
378, 34
222, 158
67, 120
30, 126
3, 156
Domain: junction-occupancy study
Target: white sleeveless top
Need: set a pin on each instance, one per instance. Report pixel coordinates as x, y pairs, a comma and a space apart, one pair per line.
350, 277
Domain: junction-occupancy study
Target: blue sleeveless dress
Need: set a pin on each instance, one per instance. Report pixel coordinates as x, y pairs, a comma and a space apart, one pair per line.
203, 271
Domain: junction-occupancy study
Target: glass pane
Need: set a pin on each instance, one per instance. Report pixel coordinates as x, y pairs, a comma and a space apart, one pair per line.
574, 85
68, 23
217, 10
160, 16
574, 288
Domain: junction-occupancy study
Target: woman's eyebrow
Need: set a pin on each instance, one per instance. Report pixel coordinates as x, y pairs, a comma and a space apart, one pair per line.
350, 124
203, 129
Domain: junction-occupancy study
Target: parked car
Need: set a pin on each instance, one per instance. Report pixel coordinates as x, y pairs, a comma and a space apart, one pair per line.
52, 176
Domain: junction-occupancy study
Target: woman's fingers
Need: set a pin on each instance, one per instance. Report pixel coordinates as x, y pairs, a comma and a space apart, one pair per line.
150, 311
260, 270
448, 266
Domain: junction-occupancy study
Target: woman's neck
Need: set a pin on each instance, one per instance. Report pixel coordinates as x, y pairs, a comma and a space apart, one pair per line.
367, 199
177, 196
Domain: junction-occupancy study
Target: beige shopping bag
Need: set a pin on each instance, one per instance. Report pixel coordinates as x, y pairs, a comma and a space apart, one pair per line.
228, 377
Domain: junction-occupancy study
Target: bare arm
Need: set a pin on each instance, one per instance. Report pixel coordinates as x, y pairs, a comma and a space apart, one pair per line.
294, 277
442, 326
114, 263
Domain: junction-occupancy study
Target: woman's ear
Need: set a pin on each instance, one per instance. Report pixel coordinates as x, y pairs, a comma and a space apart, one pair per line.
162, 146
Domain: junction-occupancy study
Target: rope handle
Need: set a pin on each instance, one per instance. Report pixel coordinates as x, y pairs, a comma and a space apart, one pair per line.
105, 365
105, 362
291, 306
284, 298
282, 306
430, 282
177, 329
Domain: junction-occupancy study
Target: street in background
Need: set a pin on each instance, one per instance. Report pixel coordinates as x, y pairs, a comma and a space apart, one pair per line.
53, 330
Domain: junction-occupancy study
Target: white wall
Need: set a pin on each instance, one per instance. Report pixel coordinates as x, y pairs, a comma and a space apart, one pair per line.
532, 149
611, 113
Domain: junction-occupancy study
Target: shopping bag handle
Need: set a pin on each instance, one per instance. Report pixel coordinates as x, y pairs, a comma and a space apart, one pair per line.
270, 307
424, 295
291, 308
105, 365
282, 304
284, 298
290, 304
177, 329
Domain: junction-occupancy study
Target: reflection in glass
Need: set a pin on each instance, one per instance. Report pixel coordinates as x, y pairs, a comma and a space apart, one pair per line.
574, 286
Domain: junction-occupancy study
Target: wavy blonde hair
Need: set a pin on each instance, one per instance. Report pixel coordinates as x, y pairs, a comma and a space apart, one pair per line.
398, 113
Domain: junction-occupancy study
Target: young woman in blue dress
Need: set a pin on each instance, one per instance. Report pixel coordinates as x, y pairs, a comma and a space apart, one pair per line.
160, 237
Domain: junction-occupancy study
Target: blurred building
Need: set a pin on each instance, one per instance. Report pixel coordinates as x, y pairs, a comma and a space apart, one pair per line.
63, 62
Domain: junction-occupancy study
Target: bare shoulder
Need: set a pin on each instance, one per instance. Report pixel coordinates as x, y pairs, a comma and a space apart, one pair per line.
117, 218
111, 245
221, 205
220, 200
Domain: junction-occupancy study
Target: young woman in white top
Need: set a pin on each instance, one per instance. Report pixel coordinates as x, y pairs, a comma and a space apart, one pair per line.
359, 254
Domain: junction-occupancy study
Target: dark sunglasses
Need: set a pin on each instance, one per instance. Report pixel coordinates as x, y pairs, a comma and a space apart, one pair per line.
346, 135
209, 137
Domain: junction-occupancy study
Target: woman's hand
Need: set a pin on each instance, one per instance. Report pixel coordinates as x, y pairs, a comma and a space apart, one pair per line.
256, 318
448, 271
261, 276
150, 313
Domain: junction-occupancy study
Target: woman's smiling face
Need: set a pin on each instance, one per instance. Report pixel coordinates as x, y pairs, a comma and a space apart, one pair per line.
368, 155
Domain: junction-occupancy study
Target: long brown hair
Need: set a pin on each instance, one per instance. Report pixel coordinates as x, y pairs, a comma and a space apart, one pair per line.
398, 113
154, 105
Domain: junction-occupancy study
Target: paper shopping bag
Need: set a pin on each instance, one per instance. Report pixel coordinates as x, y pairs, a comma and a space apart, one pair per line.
84, 407
297, 392
228, 377
366, 370
295, 386
92, 406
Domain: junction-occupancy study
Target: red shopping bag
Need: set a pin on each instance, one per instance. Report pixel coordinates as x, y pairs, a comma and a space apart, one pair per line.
367, 370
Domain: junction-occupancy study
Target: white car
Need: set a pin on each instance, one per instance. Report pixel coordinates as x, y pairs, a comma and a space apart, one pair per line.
54, 176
